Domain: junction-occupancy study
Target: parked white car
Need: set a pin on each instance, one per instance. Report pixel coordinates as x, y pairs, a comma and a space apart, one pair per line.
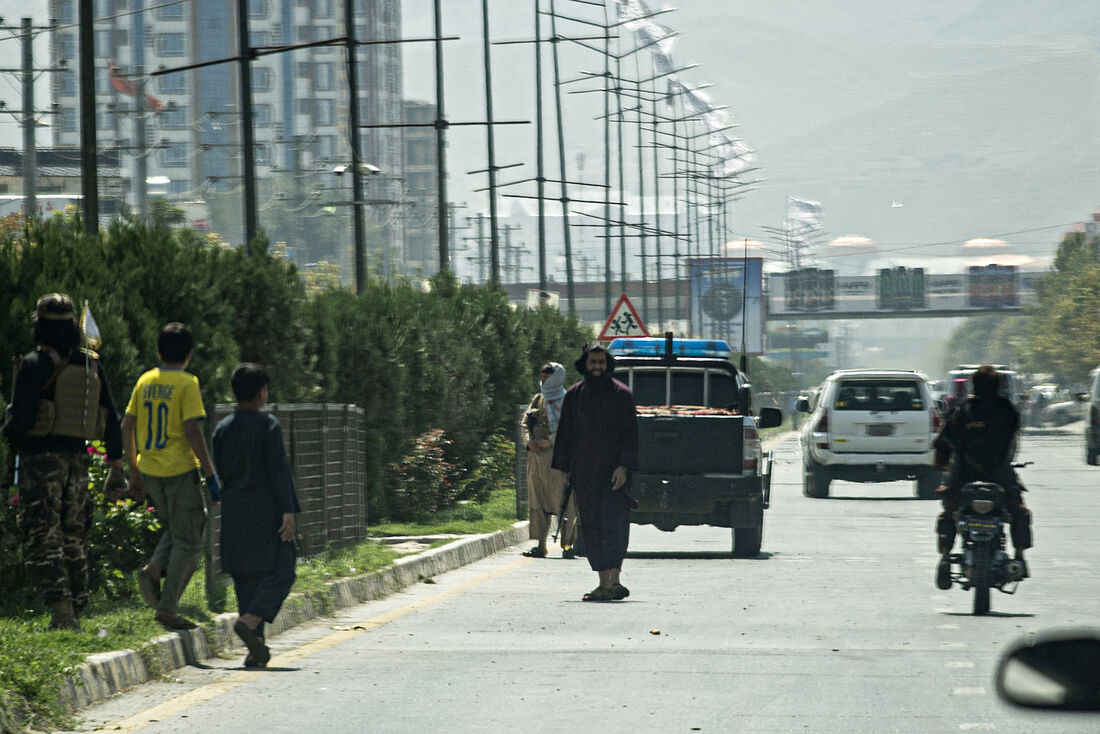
870, 426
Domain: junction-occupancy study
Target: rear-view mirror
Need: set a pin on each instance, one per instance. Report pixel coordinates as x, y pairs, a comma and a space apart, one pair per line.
802, 406
769, 418
1059, 671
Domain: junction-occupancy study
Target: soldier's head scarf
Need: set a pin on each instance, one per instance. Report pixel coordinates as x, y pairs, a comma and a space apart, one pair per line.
553, 394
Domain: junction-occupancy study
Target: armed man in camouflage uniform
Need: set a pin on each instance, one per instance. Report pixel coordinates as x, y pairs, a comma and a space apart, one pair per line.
60, 400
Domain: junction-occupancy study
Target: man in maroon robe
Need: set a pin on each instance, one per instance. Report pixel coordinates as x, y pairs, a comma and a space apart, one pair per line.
597, 445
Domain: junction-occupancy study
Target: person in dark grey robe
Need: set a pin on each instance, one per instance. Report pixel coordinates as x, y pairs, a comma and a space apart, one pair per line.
259, 503
597, 444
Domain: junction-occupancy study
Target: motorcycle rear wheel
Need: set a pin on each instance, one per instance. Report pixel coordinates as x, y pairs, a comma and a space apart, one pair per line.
981, 576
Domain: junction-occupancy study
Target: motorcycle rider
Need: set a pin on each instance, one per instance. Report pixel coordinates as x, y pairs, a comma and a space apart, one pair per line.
981, 433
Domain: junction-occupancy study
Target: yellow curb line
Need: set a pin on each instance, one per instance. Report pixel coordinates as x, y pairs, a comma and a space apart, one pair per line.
235, 679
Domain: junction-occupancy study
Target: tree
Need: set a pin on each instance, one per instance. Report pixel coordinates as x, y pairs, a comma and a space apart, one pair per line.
989, 339
162, 214
1065, 330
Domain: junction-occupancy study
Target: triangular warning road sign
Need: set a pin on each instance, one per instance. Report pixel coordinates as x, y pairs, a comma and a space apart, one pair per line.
623, 321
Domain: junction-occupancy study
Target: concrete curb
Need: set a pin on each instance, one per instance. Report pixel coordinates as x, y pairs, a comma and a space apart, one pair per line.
107, 673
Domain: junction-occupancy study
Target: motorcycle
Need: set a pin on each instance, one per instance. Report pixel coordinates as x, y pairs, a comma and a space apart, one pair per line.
984, 563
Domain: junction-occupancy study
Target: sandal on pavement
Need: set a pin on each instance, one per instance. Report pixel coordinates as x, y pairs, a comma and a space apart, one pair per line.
535, 553
599, 594
257, 650
619, 592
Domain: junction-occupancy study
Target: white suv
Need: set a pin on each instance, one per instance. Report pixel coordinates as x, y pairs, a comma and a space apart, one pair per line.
870, 426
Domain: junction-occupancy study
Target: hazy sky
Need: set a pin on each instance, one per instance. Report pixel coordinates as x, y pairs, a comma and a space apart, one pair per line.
980, 117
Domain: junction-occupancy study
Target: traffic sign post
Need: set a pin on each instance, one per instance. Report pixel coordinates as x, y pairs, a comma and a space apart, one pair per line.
623, 321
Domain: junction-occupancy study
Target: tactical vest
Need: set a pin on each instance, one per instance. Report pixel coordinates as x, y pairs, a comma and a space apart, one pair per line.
74, 410
538, 422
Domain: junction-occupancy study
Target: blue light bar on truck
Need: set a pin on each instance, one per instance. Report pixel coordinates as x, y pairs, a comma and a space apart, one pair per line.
655, 347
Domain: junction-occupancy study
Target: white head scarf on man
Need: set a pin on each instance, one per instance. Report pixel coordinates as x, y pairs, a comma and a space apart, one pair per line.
553, 395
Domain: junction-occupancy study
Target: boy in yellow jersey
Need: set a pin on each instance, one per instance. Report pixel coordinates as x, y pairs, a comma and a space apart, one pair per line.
162, 430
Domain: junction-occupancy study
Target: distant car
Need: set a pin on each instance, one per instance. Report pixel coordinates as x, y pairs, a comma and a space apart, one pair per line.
870, 426
1010, 381
1092, 427
1063, 413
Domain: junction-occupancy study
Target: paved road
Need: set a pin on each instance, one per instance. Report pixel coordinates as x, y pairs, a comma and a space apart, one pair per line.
836, 627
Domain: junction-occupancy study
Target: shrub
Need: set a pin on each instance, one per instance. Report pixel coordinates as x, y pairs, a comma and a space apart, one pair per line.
494, 467
422, 480
123, 536
13, 590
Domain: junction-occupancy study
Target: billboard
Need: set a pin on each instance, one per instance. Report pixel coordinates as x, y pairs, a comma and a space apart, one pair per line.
992, 286
901, 289
726, 294
905, 291
810, 289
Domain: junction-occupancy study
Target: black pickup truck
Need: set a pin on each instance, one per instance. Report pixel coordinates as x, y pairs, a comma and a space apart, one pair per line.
701, 461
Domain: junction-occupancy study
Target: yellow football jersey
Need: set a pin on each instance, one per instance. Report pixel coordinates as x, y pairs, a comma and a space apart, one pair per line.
162, 401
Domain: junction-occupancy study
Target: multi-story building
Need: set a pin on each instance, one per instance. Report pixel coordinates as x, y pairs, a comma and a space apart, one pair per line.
193, 121
421, 185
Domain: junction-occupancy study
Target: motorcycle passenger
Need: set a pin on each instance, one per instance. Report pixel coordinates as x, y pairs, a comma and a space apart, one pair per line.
958, 394
981, 433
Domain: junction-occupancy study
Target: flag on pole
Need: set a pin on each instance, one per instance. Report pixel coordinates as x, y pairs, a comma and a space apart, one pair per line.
123, 85
804, 212
90, 328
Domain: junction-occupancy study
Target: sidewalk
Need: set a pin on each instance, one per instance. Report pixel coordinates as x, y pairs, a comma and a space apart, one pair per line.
1077, 428
105, 674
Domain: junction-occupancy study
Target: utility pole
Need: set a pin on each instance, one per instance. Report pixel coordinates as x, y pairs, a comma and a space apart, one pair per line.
494, 237
561, 162
248, 152
641, 206
480, 238
89, 154
30, 159
358, 225
657, 210
540, 170
451, 227
299, 222
141, 143
607, 162
442, 214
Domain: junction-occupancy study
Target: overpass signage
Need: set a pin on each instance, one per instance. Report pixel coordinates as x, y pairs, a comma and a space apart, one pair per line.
899, 292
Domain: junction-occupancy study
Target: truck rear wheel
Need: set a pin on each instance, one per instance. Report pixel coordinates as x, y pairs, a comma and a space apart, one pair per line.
747, 541
815, 481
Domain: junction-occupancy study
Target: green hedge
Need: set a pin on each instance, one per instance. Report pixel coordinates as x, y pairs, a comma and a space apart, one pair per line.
455, 357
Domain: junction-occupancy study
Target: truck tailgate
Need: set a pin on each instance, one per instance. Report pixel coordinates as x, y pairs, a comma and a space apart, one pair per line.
676, 444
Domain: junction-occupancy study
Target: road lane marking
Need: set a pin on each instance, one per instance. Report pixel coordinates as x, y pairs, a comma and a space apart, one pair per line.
969, 691
956, 644
235, 679
960, 664
948, 627
978, 726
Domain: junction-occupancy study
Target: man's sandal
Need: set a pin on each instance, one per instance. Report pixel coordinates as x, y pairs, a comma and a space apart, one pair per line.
535, 553
599, 594
251, 638
619, 592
